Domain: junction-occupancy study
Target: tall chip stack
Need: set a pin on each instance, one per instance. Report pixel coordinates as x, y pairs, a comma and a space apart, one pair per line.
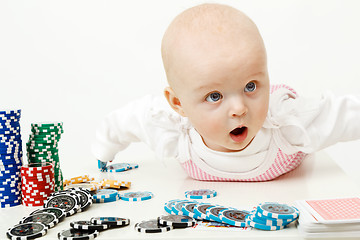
42, 147
10, 158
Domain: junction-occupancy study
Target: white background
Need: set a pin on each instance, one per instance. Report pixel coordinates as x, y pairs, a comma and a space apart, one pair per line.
75, 61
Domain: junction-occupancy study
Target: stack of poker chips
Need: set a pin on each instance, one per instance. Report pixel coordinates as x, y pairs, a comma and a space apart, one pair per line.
38, 183
10, 158
43, 147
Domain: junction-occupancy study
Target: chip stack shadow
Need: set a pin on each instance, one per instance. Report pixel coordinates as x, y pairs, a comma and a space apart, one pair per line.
43, 147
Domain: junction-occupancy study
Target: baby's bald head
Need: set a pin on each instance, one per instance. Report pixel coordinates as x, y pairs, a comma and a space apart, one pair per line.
206, 31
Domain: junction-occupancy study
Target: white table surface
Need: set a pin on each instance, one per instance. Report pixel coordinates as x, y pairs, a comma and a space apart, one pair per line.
318, 177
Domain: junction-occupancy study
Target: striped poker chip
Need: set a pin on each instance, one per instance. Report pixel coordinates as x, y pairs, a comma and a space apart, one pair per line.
78, 179
104, 194
85, 198
168, 205
151, 226
92, 186
188, 210
249, 221
111, 221
76, 234
200, 210
258, 218
110, 183
176, 221
200, 194
177, 207
27, 231
277, 210
87, 225
46, 218
136, 196
66, 202
234, 217
117, 167
58, 212
107, 199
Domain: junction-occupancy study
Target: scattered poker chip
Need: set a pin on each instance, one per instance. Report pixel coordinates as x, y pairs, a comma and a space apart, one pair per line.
200, 194
168, 206
105, 195
92, 186
117, 167
188, 210
76, 234
200, 210
87, 225
213, 213
249, 221
102, 166
151, 226
64, 201
277, 211
176, 221
59, 213
78, 179
233, 217
85, 197
111, 221
136, 196
48, 219
27, 231
110, 183
177, 207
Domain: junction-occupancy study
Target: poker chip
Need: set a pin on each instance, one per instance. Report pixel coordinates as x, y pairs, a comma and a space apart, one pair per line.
233, 217
151, 226
277, 211
213, 213
249, 221
78, 179
27, 231
269, 221
42, 146
64, 201
176, 221
188, 210
10, 158
105, 195
46, 218
200, 210
87, 225
111, 221
177, 207
136, 196
110, 183
168, 206
117, 167
76, 234
102, 166
92, 186
85, 198
200, 194
58, 212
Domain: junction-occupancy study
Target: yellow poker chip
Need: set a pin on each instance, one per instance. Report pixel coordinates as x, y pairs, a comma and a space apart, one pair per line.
110, 183
92, 186
79, 179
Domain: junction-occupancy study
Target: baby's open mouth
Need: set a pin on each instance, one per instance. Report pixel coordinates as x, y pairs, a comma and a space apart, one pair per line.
239, 134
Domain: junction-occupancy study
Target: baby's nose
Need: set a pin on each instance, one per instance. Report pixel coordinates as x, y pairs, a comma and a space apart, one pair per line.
238, 108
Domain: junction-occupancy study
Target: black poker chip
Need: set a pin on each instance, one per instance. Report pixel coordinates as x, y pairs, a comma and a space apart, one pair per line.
151, 226
76, 234
111, 221
48, 219
64, 201
87, 225
177, 221
30, 230
59, 213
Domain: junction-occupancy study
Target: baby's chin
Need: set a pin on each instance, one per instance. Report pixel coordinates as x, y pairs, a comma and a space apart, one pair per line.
237, 147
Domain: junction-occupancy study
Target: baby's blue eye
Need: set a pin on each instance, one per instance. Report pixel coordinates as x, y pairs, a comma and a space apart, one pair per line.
250, 87
213, 97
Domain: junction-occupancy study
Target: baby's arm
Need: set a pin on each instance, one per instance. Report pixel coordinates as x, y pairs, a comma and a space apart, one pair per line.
131, 123
336, 119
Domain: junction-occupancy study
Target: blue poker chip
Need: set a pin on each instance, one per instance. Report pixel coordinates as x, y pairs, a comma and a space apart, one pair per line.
234, 217
105, 194
188, 210
200, 194
249, 221
168, 205
200, 210
177, 207
133, 165
136, 196
258, 218
106, 200
10, 204
277, 211
117, 167
102, 165
213, 213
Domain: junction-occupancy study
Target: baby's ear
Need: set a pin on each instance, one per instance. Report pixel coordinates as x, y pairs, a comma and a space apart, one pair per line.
174, 101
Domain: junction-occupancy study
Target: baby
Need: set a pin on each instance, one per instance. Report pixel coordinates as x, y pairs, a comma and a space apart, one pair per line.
229, 124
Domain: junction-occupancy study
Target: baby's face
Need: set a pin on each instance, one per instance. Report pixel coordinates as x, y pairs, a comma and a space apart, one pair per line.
223, 89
